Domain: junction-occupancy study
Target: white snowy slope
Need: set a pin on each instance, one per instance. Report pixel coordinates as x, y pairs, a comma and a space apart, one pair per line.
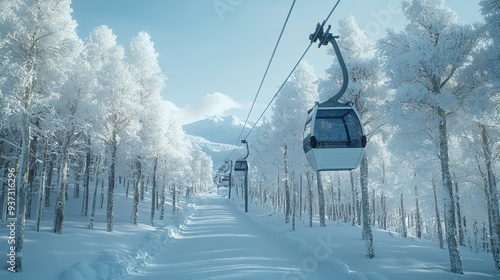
211, 237
220, 242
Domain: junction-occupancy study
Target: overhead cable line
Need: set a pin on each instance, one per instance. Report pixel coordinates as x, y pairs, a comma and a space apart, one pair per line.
286, 79
290, 74
265, 74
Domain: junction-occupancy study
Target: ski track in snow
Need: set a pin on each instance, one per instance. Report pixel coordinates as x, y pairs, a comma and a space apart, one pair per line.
218, 241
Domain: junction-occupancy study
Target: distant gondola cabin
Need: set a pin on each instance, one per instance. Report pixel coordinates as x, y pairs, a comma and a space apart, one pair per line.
240, 167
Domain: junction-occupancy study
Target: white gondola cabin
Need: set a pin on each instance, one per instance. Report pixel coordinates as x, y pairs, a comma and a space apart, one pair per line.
333, 137
225, 180
240, 167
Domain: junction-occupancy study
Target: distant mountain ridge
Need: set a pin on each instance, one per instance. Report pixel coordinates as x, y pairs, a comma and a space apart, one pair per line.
217, 136
218, 129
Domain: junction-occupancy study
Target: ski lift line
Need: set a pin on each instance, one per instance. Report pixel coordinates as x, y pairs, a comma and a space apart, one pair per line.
265, 74
279, 89
291, 72
268, 65
330, 14
283, 84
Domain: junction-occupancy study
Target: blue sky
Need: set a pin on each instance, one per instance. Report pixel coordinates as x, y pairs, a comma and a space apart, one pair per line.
214, 52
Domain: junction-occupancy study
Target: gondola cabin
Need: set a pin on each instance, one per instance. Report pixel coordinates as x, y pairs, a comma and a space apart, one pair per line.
334, 137
240, 167
225, 180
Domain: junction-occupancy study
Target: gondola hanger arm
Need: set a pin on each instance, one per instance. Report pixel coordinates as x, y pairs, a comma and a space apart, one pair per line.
325, 38
246, 143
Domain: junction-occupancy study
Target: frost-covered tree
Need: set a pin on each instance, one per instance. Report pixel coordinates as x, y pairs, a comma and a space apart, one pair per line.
264, 160
70, 117
490, 9
39, 38
118, 101
423, 62
485, 114
289, 113
143, 61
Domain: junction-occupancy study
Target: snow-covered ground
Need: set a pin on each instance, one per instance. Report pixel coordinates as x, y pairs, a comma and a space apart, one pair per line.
212, 238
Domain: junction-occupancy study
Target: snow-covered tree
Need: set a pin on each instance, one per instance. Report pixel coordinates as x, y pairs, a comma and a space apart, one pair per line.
423, 62
70, 120
143, 61
118, 101
485, 113
289, 114
39, 38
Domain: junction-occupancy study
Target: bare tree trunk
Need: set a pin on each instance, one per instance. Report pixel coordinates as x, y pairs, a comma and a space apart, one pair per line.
31, 171
321, 200
49, 179
493, 195
418, 218
374, 210
101, 193
354, 199
451, 238
294, 205
137, 191
21, 185
63, 181
111, 183
153, 194
300, 198
86, 182
174, 201
278, 195
365, 204
384, 211
41, 194
127, 189
78, 176
461, 235
143, 189
309, 186
94, 196
475, 232
403, 220
287, 189
163, 190
438, 219
339, 205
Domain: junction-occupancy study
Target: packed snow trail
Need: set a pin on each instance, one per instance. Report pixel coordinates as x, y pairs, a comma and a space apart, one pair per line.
218, 241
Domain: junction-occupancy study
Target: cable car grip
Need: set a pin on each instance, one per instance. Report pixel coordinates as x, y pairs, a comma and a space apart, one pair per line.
325, 38
246, 143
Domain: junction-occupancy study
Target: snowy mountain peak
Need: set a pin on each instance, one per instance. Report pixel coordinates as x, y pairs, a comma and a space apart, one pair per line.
216, 135
218, 129
238, 122
216, 118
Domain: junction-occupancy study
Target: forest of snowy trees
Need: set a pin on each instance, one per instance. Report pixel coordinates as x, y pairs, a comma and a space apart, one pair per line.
429, 99
80, 116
